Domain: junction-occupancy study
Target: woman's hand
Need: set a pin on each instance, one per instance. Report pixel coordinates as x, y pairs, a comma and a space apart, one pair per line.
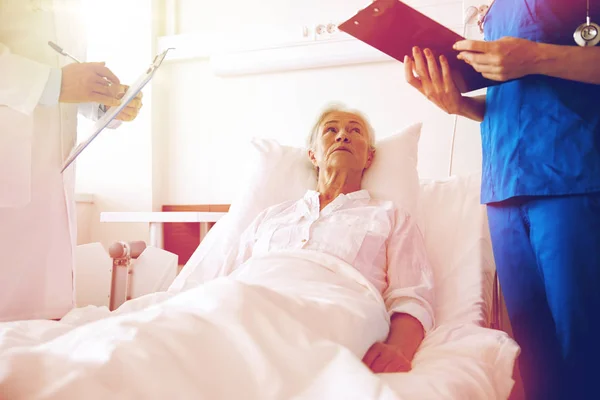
501, 60
384, 357
433, 80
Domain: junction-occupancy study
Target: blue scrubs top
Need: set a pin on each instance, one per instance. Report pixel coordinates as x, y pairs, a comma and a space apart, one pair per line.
540, 135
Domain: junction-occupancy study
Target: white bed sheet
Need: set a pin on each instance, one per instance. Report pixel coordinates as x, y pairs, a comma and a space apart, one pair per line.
234, 339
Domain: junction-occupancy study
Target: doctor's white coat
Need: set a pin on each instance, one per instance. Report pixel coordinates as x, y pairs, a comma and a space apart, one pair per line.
37, 208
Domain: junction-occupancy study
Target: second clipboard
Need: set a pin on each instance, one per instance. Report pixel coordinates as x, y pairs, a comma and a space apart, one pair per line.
394, 28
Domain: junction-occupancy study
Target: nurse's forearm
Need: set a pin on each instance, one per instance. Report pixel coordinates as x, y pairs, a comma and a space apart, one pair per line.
473, 108
574, 63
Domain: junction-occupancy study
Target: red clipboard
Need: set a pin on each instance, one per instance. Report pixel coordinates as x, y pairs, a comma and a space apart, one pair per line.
395, 28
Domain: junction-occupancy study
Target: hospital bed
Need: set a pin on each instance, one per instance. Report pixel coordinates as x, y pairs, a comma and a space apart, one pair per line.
462, 358
454, 225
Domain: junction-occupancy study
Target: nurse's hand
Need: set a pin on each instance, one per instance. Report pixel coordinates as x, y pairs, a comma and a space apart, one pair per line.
85, 83
433, 80
384, 357
500, 60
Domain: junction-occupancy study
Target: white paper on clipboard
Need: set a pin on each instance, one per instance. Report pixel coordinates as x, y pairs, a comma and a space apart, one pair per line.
112, 113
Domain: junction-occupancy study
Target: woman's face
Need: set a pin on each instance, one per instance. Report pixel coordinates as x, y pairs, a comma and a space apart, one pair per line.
342, 143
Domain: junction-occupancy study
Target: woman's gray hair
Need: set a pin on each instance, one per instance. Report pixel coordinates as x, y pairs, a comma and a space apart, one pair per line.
314, 134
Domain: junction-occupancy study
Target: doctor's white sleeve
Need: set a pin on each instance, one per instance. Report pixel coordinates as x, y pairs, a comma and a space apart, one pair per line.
25, 84
22, 81
409, 273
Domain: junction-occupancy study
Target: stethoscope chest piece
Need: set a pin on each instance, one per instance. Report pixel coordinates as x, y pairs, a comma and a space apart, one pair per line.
587, 35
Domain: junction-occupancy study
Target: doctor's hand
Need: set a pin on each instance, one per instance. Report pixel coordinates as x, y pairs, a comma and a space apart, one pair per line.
384, 357
501, 60
85, 83
433, 80
131, 111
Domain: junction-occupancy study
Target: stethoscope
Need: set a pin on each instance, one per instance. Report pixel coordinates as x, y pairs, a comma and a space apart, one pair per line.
586, 34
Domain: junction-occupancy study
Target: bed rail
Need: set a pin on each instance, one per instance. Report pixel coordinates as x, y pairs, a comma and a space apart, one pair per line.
123, 254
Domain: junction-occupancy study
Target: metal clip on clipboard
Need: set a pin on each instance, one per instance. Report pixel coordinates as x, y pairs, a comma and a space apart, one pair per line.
113, 112
158, 61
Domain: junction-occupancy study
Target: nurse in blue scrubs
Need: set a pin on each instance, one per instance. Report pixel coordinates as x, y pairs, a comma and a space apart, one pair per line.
540, 129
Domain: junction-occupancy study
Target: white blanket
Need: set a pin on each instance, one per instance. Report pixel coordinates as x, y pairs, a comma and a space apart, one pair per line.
283, 327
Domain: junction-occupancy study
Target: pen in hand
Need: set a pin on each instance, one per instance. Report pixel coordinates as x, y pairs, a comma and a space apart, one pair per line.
87, 82
60, 50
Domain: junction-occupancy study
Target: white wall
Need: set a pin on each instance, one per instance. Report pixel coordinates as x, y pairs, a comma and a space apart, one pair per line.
117, 167
85, 212
184, 146
204, 118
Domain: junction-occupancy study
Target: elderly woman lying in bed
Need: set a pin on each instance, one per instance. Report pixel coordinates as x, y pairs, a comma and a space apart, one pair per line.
316, 289
339, 219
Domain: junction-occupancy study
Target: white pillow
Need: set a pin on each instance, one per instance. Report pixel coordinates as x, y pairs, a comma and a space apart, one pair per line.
281, 173
458, 244
278, 173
